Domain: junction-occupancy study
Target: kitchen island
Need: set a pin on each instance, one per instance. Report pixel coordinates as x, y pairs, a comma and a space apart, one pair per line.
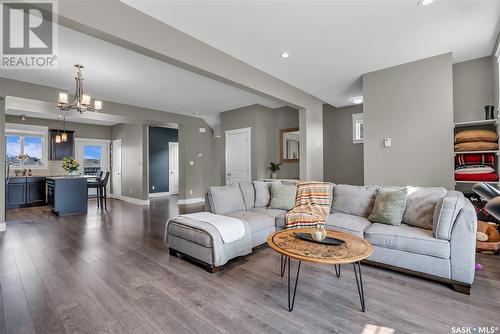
67, 195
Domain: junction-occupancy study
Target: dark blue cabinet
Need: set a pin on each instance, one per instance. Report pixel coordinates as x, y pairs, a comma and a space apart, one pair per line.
25, 191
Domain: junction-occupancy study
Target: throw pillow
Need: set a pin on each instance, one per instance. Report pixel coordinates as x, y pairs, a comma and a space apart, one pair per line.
389, 206
283, 196
226, 199
476, 146
354, 200
466, 136
262, 193
420, 204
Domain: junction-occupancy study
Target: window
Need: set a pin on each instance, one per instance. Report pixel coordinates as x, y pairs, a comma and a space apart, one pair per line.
26, 145
358, 135
92, 159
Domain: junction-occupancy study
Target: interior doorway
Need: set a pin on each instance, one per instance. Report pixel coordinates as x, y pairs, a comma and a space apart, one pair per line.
163, 161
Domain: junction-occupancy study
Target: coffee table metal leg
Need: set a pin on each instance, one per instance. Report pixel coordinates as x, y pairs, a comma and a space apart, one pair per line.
290, 305
283, 265
337, 270
359, 283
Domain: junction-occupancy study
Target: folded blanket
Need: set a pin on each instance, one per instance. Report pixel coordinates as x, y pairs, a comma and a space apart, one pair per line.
476, 146
230, 229
312, 205
476, 135
474, 169
476, 177
475, 159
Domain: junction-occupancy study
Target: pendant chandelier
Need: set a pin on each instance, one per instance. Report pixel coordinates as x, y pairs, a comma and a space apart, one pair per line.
81, 102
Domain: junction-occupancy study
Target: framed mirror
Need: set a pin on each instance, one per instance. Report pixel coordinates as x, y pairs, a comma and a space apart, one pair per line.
289, 145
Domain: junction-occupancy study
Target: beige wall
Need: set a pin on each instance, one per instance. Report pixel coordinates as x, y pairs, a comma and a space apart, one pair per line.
473, 88
343, 160
265, 123
413, 105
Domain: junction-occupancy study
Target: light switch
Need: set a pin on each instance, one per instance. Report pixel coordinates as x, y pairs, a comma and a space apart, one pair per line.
199, 154
191, 162
387, 142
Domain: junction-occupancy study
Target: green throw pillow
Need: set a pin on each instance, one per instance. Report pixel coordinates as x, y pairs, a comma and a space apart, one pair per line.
389, 206
283, 196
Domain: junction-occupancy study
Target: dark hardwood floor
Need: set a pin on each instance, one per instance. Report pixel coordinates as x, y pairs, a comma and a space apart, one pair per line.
109, 272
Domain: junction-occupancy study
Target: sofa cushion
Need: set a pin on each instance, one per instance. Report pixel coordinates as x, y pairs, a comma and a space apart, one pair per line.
408, 239
256, 221
262, 193
446, 213
354, 200
344, 222
248, 192
226, 199
389, 206
283, 196
277, 214
190, 233
420, 205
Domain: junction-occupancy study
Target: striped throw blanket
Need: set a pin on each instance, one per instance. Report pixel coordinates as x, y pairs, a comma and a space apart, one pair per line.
312, 205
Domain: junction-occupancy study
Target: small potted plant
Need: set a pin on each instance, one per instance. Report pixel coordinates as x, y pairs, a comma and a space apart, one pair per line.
275, 167
70, 165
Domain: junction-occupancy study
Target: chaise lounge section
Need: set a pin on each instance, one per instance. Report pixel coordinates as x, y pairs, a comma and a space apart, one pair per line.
436, 239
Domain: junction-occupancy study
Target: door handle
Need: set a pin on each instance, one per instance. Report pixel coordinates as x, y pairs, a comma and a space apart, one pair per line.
228, 174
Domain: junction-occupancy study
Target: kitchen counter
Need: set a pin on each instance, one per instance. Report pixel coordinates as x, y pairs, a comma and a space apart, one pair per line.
67, 195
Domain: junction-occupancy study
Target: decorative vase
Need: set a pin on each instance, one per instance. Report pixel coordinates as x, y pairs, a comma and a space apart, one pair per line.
318, 233
274, 176
489, 112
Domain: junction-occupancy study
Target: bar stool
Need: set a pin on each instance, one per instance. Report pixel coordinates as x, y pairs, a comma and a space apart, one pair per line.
95, 185
102, 191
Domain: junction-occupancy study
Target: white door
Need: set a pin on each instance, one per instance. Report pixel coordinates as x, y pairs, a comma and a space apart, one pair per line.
238, 160
116, 174
173, 168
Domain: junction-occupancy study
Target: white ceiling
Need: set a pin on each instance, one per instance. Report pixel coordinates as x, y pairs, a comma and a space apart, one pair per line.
333, 43
117, 74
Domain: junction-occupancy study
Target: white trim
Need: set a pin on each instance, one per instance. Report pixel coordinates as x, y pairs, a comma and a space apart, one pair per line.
355, 119
231, 132
497, 53
191, 201
130, 199
165, 193
3, 227
93, 140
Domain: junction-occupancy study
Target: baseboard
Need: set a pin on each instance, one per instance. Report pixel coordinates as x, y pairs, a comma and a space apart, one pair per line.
130, 199
166, 193
3, 227
191, 200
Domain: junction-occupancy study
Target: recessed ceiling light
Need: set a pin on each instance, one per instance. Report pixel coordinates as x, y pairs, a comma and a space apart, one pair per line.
196, 113
357, 100
285, 55
425, 2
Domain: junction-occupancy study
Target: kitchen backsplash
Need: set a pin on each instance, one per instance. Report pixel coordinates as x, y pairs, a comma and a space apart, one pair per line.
54, 168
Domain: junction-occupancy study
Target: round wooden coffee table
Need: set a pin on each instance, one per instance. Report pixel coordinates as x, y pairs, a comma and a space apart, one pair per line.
291, 246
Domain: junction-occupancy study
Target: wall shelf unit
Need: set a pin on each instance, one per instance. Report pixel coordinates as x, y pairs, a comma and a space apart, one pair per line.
488, 124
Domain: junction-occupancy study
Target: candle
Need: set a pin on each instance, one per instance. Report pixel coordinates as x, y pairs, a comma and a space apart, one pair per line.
97, 105
86, 100
63, 98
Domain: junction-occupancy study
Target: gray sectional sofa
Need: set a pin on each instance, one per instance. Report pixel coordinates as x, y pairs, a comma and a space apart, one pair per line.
436, 239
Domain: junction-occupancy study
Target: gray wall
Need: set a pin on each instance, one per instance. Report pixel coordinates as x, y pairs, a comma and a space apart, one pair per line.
413, 105
473, 88
82, 130
342, 159
265, 123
